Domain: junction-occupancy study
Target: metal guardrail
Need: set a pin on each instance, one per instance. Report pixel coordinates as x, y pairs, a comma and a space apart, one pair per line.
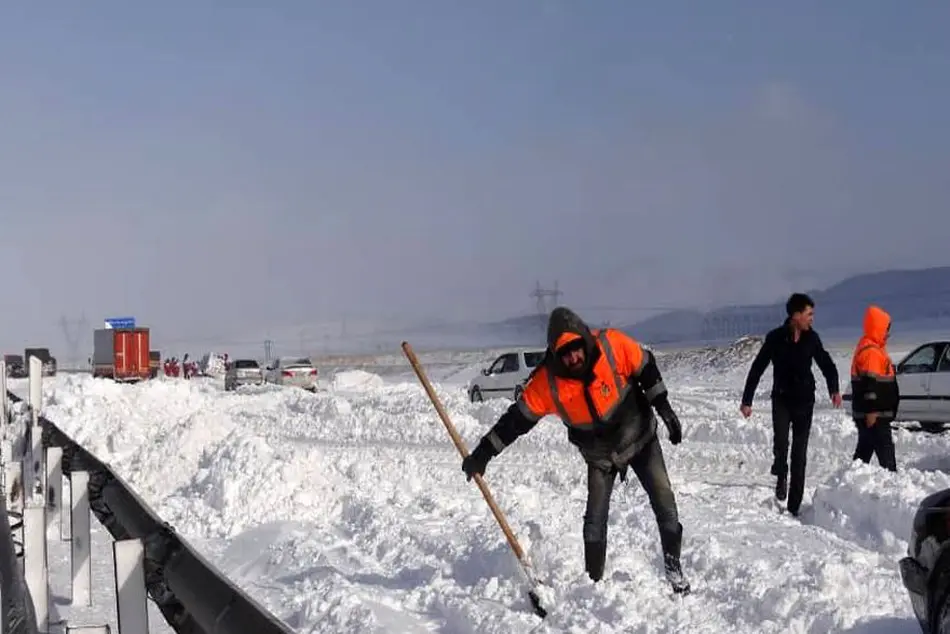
16, 615
192, 595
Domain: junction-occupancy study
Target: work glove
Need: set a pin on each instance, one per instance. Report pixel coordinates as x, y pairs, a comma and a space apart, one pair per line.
672, 424
478, 460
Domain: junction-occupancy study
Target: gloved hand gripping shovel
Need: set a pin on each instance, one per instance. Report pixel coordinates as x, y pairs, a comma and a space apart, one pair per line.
533, 593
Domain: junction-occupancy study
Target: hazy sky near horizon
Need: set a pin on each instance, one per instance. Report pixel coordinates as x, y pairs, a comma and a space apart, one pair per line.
219, 171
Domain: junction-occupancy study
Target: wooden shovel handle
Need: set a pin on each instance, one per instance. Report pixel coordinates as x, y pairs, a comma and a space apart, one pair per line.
460, 445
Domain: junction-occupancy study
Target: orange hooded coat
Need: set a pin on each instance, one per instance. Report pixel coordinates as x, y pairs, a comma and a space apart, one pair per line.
873, 380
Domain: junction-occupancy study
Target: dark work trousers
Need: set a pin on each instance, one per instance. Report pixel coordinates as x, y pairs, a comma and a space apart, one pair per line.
877, 439
650, 469
795, 417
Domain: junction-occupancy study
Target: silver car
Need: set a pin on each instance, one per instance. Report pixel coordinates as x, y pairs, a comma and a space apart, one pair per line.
242, 372
293, 372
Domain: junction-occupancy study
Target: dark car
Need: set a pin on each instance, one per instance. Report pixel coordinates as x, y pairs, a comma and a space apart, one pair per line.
926, 570
48, 361
15, 367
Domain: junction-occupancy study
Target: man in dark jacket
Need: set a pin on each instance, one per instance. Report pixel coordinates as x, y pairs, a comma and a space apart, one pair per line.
790, 349
601, 385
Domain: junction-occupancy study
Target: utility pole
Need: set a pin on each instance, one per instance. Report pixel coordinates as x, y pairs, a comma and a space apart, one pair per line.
73, 333
541, 296
268, 348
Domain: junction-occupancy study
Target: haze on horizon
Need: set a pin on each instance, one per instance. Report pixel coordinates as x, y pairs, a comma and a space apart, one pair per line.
223, 173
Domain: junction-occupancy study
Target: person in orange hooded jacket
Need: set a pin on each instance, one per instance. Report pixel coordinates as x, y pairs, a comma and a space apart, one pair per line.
604, 387
874, 391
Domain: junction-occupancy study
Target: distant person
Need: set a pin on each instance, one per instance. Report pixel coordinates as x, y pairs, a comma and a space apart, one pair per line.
790, 349
601, 384
874, 391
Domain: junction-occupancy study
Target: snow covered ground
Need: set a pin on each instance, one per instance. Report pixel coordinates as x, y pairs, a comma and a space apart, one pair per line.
346, 510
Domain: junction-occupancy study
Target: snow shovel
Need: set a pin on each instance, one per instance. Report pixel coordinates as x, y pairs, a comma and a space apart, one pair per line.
533, 593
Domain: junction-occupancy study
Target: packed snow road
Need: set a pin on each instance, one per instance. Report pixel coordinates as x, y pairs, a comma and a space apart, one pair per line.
346, 511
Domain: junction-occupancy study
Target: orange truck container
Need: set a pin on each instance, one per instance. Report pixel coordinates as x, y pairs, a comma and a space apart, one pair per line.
121, 354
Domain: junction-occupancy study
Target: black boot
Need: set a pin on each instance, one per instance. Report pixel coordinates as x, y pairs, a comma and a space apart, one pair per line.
672, 542
674, 574
781, 488
595, 554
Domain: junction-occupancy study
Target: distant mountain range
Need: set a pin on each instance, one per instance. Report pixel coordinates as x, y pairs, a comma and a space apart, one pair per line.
914, 298
918, 300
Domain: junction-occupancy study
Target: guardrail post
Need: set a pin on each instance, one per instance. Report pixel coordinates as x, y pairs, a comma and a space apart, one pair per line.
35, 565
131, 598
16, 438
65, 528
54, 490
36, 389
4, 402
80, 532
13, 485
13, 490
37, 460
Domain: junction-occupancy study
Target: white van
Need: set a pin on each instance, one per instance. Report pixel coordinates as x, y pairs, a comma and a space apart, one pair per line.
505, 377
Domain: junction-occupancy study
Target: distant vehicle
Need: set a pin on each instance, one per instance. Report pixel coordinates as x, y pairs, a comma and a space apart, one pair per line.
242, 372
213, 364
49, 361
16, 369
923, 377
505, 377
121, 354
154, 363
925, 571
293, 371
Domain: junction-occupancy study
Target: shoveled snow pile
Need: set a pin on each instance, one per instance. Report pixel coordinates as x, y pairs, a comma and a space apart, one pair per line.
347, 511
854, 504
717, 358
356, 380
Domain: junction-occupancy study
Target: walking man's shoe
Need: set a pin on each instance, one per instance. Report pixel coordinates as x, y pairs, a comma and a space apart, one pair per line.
781, 488
674, 574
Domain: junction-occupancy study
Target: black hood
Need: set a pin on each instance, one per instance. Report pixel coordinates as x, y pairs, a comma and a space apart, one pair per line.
564, 320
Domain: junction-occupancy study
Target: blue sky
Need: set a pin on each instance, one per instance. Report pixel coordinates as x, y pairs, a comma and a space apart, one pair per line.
223, 171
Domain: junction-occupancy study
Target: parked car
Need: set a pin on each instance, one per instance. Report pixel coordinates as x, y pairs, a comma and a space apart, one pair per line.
925, 571
505, 377
242, 372
923, 377
48, 361
16, 369
293, 371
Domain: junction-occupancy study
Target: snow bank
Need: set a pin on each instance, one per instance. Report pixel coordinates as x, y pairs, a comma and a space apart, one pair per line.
346, 510
713, 358
873, 507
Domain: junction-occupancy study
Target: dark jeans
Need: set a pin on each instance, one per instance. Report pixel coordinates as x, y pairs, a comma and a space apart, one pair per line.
650, 469
877, 439
795, 417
